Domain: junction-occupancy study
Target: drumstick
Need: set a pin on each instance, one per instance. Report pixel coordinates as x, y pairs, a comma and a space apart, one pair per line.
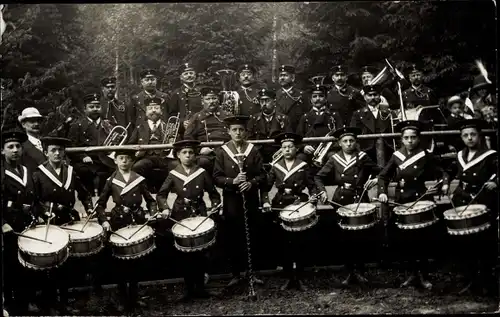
207, 216
71, 229
452, 204
339, 205
305, 203
112, 232
390, 202
33, 238
89, 216
180, 224
479, 192
428, 190
145, 224
362, 193
48, 221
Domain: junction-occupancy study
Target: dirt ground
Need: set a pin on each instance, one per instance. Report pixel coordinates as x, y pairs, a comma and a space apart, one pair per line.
323, 296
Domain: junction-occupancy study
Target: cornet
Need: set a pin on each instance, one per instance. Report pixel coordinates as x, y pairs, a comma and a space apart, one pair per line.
321, 151
231, 99
117, 136
171, 132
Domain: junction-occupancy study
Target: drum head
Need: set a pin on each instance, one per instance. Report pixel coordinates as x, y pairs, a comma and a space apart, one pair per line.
193, 222
58, 238
126, 232
459, 213
297, 214
363, 209
420, 206
91, 230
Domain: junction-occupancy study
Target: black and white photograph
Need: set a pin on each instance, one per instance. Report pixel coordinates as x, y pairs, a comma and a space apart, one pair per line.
249, 158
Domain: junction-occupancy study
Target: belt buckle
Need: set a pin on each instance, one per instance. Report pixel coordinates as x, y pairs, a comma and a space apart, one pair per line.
26, 207
347, 186
126, 209
288, 191
402, 183
464, 185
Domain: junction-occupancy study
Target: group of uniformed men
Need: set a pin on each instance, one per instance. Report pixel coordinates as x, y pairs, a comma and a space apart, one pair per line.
36, 173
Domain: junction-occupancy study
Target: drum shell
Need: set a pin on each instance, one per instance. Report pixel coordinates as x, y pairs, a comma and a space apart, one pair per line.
86, 247
299, 223
416, 220
362, 222
133, 250
196, 241
457, 224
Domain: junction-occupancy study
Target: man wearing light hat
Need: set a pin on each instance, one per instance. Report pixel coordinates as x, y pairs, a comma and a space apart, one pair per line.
186, 100
248, 90
290, 101
343, 98
31, 121
113, 109
267, 123
149, 80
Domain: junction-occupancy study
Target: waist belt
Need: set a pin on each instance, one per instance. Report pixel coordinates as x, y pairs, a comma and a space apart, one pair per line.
349, 186
289, 191
126, 209
467, 185
55, 206
16, 205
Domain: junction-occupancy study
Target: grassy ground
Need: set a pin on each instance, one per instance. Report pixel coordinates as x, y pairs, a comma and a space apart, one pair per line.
324, 296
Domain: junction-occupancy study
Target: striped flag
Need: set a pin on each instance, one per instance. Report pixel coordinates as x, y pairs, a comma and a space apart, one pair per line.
3, 26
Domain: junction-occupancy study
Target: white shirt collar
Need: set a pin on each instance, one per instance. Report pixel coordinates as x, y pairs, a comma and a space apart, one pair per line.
153, 124
33, 140
92, 121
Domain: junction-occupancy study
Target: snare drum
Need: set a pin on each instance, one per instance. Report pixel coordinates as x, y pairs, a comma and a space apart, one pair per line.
365, 217
419, 216
85, 243
39, 255
300, 219
141, 244
474, 219
187, 240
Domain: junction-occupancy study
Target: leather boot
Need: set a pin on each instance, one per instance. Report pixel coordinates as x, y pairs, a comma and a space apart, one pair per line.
409, 280
422, 280
286, 285
300, 286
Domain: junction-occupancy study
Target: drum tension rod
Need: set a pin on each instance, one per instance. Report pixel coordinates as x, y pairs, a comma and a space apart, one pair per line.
33, 238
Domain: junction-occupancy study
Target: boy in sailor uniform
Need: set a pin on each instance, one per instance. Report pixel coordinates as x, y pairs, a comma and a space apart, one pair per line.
353, 170
189, 182
19, 213
56, 183
410, 167
291, 176
127, 189
476, 168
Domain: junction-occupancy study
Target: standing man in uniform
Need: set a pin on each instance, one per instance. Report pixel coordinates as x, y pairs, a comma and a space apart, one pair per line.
352, 171
372, 119
149, 80
290, 101
387, 97
21, 211
267, 123
208, 126
114, 110
31, 121
248, 90
343, 98
89, 131
240, 192
186, 100
418, 94
56, 183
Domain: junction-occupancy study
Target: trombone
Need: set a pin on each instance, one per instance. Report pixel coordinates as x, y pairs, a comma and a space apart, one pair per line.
117, 136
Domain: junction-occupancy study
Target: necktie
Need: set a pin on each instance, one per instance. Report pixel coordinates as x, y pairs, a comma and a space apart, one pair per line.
39, 145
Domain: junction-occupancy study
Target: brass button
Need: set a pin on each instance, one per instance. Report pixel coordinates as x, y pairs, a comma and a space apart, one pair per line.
342, 175
355, 176
415, 166
184, 189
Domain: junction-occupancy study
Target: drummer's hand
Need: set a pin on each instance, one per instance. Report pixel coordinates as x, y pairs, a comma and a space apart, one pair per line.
308, 149
372, 182
245, 186
266, 207
444, 189
6, 228
323, 197
49, 214
313, 200
165, 213
490, 185
87, 160
89, 212
206, 150
382, 198
106, 226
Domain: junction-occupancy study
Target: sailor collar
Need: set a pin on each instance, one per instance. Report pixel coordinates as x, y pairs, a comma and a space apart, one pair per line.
281, 166
49, 171
119, 181
340, 158
407, 161
230, 149
180, 173
478, 157
15, 176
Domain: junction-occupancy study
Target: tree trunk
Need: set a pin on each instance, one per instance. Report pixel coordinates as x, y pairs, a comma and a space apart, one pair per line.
116, 72
274, 58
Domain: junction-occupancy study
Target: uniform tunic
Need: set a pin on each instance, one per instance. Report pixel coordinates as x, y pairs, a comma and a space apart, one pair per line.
261, 128
292, 104
225, 170
118, 113
410, 173
364, 119
423, 95
32, 156
138, 104
290, 184
350, 177
185, 101
345, 102
191, 187
248, 103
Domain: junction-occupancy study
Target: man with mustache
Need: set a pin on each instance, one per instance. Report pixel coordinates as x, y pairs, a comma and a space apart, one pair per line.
186, 100
149, 80
88, 131
387, 98
317, 122
208, 126
151, 132
342, 97
248, 90
31, 121
267, 123
289, 99
114, 110
418, 94
373, 119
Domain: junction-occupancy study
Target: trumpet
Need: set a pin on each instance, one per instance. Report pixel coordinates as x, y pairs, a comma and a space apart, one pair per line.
277, 156
171, 132
116, 136
320, 152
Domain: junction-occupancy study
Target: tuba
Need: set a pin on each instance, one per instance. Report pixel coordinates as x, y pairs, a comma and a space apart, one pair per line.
117, 135
231, 98
171, 132
317, 80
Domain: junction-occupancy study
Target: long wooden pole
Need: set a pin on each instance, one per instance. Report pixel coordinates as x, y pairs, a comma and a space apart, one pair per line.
147, 147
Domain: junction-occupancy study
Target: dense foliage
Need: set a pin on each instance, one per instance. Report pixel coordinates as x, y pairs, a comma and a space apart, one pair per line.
54, 53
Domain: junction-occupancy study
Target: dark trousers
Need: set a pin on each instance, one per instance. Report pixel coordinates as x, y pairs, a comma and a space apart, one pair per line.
360, 246
88, 172
295, 247
193, 269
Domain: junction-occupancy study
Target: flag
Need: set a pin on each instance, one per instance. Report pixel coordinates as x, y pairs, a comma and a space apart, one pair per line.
3, 26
